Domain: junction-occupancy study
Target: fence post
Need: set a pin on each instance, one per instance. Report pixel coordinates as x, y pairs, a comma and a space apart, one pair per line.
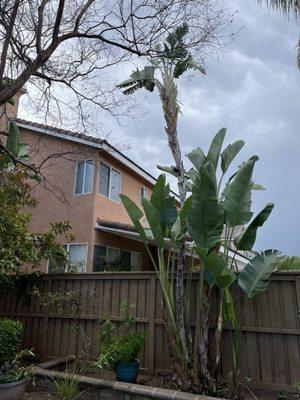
298, 293
152, 302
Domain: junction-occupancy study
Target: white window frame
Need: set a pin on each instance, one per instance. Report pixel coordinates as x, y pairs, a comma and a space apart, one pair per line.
67, 249
110, 169
143, 190
84, 172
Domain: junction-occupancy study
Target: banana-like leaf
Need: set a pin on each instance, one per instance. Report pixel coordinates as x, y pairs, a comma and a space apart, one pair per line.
255, 276
197, 157
154, 222
228, 155
164, 203
192, 174
205, 218
13, 139
216, 147
170, 170
257, 186
237, 201
219, 271
139, 79
135, 215
246, 239
228, 308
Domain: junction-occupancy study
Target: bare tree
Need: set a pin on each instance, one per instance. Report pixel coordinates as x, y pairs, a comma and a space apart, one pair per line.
65, 47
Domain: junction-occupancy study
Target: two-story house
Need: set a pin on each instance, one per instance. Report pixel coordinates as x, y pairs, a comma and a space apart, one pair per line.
84, 177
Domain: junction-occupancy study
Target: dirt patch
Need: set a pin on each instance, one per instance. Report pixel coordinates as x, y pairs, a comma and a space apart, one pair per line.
36, 394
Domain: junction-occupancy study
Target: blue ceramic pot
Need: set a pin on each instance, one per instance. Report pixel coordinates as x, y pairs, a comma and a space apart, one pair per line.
128, 372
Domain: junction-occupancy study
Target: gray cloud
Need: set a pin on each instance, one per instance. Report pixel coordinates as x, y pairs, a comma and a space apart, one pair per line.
254, 91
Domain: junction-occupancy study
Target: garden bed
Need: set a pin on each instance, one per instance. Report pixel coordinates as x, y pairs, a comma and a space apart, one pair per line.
100, 385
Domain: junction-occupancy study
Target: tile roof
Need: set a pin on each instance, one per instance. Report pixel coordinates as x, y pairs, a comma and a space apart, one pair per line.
82, 136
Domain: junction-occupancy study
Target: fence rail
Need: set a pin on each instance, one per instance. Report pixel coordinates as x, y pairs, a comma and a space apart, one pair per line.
269, 343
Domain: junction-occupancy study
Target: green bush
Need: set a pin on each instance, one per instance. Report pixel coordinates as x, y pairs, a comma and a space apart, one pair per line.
10, 341
11, 356
119, 348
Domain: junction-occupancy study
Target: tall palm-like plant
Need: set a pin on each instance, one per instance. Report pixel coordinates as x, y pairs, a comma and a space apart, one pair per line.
173, 59
212, 211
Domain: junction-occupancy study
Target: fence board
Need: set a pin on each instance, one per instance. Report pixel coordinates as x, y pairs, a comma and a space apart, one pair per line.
270, 339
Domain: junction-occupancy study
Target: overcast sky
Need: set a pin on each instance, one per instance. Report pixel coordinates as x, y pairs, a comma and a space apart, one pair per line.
254, 91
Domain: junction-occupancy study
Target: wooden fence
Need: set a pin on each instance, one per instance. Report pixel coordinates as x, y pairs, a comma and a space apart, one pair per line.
269, 344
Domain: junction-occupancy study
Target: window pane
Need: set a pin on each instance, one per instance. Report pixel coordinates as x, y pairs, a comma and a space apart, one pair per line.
114, 185
79, 177
104, 180
77, 256
144, 192
99, 258
89, 174
126, 257
112, 254
136, 261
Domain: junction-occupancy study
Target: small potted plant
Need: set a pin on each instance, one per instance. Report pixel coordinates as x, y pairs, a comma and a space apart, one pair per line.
13, 376
120, 351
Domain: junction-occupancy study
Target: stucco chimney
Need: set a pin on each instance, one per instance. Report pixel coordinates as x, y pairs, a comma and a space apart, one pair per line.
9, 112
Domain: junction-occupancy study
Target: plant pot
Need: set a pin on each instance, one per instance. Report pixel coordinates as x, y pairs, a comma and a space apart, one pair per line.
127, 372
13, 390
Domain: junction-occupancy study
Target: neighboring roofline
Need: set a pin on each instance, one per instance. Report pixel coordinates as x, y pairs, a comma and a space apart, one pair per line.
88, 141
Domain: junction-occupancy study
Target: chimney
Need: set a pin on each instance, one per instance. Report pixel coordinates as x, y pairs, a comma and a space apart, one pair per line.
9, 112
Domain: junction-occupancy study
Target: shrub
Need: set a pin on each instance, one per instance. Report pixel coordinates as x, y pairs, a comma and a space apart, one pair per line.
10, 341
10, 353
122, 348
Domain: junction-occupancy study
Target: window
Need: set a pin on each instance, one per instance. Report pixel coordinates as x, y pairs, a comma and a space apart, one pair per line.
108, 258
77, 257
99, 257
144, 192
109, 185
136, 261
112, 254
84, 177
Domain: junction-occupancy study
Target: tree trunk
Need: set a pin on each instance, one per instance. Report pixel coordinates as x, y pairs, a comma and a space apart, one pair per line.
168, 96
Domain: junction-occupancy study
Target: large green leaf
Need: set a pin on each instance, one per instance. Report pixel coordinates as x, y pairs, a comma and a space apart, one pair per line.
197, 157
139, 79
219, 271
246, 239
228, 155
237, 201
13, 139
228, 308
164, 203
154, 222
216, 147
255, 276
170, 170
135, 215
205, 217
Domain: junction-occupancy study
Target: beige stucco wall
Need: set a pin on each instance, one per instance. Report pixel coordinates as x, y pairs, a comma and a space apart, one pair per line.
57, 201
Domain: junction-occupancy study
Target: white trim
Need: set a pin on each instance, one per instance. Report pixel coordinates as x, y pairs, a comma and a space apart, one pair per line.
84, 172
135, 236
102, 146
